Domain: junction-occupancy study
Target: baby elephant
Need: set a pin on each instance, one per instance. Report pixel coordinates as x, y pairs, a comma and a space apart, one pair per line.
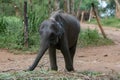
61, 32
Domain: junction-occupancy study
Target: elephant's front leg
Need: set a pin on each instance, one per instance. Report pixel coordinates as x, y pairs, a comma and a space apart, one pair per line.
66, 53
52, 56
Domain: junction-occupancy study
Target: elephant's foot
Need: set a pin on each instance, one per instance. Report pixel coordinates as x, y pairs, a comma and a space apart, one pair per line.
54, 68
30, 68
70, 68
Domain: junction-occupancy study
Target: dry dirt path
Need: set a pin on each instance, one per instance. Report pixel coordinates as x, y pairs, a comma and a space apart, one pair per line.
103, 58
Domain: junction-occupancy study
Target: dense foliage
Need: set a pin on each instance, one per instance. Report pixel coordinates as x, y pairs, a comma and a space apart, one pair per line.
12, 26
86, 4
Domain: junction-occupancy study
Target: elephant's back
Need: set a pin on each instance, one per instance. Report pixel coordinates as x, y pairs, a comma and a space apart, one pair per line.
73, 22
72, 28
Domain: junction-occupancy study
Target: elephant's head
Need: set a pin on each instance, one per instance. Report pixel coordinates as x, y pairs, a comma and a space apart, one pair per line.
50, 33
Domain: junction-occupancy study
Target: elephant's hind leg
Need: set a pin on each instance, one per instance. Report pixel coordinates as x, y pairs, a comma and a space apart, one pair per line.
72, 51
67, 58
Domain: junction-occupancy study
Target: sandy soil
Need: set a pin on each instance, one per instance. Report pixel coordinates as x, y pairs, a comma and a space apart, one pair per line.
102, 59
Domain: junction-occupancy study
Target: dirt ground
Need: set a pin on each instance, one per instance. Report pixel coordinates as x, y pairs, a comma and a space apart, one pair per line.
100, 59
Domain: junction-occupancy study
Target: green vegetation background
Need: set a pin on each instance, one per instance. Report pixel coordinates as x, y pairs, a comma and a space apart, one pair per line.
12, 27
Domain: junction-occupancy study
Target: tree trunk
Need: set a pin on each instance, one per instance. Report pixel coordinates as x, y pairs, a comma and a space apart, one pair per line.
117, 8
57, 4
82, 16
25, 25
78, 10
49, 6
72, 7
90, 14
65, 6
98, 21
68, 6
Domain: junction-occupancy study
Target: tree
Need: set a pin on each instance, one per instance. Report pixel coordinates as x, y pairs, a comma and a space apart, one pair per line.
25, 25
84, 9
109, 10
111, 6
117, 8
86, 4
57, 4
68, 4
72, 7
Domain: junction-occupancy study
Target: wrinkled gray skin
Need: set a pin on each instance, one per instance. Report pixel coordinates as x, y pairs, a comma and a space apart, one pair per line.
61, 32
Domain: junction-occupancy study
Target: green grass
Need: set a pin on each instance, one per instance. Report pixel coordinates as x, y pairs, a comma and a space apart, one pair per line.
111, 22
90, 37
46, 75
53, 75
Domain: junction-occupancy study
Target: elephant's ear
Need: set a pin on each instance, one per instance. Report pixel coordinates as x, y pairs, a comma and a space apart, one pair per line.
59, 21
60, 31
57, 18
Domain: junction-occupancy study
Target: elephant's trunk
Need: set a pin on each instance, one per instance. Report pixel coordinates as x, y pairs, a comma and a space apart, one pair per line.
44, 47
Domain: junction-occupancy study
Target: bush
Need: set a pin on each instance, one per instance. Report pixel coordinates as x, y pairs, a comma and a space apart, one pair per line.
13, 31
3, 25
92, 38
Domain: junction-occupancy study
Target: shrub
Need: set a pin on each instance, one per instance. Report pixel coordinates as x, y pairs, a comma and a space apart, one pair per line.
13, 32
3, 25
92, 38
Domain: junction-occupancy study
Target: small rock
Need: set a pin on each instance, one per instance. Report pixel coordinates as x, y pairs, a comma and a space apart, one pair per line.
105, 55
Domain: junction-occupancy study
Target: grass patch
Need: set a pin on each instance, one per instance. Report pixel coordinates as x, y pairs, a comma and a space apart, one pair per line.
90, 37
90, 73
111, 22
52, 75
